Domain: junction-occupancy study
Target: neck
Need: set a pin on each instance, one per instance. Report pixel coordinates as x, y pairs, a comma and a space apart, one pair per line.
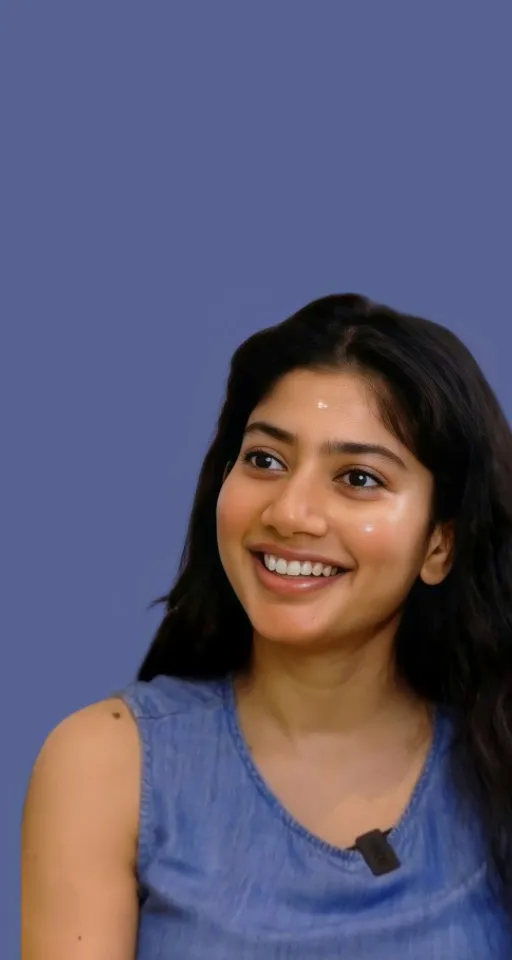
337, 691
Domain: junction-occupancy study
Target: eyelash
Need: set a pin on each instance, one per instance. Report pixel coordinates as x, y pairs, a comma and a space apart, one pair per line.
250, 454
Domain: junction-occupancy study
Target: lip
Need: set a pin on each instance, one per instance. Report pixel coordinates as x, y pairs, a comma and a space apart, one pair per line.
291, 586
300, 555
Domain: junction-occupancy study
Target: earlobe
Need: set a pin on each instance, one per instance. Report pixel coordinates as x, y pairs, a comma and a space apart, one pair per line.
439, 559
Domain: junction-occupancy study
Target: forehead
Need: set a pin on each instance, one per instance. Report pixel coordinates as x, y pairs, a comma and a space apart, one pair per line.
326, 402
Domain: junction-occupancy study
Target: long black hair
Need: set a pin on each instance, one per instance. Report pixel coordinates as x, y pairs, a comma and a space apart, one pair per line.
454, 643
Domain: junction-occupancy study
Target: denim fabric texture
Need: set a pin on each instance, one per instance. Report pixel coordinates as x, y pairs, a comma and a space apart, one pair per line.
227, 874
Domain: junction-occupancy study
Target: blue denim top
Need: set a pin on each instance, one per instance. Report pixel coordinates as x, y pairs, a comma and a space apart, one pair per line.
226, 873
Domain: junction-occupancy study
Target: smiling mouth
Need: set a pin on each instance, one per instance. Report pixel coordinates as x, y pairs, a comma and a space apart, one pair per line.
295, 570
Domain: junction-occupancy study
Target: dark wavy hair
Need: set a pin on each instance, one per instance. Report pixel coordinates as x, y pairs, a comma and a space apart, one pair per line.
454, 643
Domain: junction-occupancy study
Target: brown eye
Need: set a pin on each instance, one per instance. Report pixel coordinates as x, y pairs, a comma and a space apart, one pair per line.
262, 460
361, 479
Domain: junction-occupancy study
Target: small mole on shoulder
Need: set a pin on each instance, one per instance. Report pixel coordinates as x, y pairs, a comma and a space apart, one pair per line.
116, 716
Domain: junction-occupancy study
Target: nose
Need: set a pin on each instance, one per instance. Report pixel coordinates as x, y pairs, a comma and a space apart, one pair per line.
296, 507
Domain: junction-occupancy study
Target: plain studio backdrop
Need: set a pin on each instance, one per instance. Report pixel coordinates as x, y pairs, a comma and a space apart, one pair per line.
173, 177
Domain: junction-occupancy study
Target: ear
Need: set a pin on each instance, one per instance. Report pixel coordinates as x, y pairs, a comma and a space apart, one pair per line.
439, 556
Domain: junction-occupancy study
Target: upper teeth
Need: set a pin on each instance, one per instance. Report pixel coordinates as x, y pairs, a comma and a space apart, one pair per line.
293, 568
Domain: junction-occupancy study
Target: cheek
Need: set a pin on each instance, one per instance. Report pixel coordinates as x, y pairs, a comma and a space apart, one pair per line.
374, 540
388, 539
233, 512
233, 523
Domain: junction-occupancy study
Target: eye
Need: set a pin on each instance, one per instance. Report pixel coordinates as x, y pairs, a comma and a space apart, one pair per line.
361, 480
262, 460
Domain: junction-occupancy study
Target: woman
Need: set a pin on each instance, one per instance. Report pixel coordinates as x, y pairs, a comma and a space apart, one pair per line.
316, 759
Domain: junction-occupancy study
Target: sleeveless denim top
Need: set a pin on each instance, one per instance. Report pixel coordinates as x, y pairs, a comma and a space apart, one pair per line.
226, 873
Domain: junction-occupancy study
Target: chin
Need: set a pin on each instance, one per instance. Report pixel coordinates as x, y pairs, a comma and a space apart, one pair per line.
289, 633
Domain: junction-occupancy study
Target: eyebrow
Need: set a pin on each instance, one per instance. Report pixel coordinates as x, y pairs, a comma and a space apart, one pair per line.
332, 447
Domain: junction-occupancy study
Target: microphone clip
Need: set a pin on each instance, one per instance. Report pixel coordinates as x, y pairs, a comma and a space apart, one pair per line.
377, 852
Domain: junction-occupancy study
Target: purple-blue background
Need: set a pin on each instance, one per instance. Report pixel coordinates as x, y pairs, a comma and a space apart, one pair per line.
174, 176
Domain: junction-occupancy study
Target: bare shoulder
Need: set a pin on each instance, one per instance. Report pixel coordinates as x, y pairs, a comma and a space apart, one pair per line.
99, 739
92, 754
79, 838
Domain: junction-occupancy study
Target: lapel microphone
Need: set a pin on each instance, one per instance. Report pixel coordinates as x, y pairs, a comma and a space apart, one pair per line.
377, 852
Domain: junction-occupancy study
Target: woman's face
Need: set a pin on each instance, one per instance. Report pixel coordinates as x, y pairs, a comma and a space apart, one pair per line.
323, 521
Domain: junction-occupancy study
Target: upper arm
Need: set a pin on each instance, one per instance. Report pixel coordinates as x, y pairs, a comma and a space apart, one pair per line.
79, 840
